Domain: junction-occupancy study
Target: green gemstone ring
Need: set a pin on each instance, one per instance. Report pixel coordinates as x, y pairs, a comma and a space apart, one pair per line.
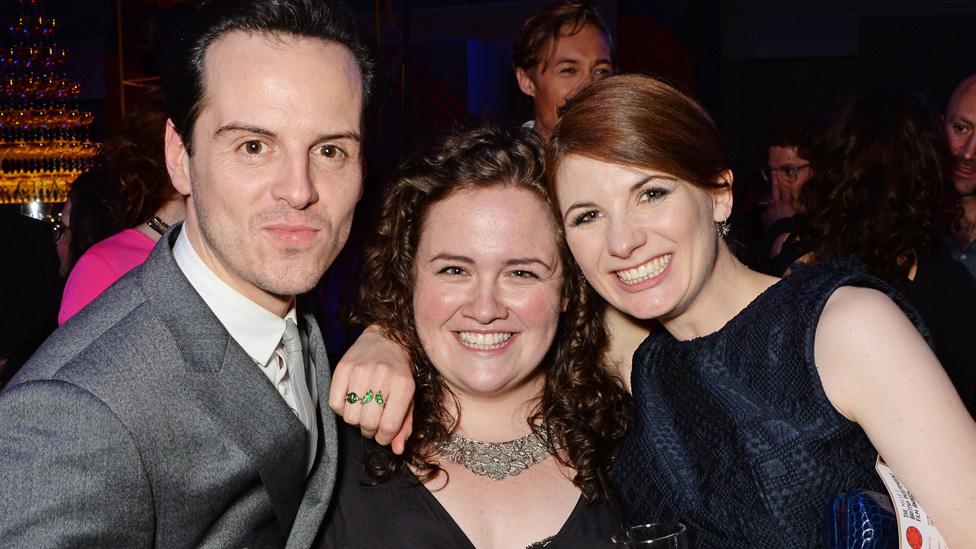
353, 398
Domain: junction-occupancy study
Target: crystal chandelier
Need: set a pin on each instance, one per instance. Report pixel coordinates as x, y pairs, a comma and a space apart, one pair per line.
44, 142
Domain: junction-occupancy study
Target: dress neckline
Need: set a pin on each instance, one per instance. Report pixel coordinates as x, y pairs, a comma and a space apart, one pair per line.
444, 515
730, 325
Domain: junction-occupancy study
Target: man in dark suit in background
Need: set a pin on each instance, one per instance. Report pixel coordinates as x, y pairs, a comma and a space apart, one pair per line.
181, 408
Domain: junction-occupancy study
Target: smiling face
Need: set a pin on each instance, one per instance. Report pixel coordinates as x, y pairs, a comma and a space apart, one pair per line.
960, 130
486, 295
645, 240
276, 168
577, 61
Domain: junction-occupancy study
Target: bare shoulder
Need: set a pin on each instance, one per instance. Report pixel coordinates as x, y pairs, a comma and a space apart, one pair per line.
878, 371
855, 315
862, 338
858, 301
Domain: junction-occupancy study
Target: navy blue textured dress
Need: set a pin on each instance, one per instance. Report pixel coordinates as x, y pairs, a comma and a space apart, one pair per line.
733, 433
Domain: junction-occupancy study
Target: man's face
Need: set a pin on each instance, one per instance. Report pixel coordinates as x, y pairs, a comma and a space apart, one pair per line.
577, 61
786, 167
959, 121
276, 169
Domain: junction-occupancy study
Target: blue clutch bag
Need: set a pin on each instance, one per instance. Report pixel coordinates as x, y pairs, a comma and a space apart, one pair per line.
861, 520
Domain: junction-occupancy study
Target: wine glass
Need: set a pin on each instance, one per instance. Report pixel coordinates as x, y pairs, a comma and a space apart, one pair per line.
658, 535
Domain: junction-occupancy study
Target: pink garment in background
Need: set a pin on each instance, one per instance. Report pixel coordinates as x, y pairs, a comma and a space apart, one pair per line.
100, 267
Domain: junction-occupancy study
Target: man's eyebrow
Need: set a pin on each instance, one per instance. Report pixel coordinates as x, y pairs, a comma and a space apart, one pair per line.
242, 128
574, 61
958, 117
354, 136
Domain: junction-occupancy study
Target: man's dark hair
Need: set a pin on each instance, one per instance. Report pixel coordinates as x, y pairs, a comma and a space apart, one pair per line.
331, 21
541, 31
803, 133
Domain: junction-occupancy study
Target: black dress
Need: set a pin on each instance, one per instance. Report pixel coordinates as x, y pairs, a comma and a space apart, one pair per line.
402, 513
733, 433
944, 293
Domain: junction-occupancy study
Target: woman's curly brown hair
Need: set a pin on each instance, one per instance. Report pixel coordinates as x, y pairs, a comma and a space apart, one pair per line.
879, 193
137, 160
583, 406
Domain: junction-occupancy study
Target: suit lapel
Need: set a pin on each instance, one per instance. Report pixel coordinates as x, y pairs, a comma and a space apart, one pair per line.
229, 384
318, 489
260, 421
310, 364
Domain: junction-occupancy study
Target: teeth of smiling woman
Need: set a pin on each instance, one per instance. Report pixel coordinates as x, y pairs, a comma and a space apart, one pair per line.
648, 270
477, 340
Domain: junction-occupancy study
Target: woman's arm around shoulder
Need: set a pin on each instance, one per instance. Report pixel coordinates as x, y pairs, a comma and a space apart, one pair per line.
878, 371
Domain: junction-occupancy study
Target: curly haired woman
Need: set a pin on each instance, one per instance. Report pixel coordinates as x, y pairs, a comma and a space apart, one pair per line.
514, 410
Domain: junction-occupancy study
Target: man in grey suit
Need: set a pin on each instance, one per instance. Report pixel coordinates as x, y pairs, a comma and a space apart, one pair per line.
182, 408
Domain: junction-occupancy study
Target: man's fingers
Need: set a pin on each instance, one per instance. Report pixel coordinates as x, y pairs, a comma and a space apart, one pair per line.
400, 440
369, 417
777, 193
357, 389
374, 366
794, 197
380, 421
399, 402
339, 388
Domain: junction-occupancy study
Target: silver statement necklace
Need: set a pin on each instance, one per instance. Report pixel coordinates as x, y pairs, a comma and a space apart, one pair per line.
495, 460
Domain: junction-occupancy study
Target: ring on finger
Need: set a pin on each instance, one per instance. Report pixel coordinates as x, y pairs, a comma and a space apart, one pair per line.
378, 398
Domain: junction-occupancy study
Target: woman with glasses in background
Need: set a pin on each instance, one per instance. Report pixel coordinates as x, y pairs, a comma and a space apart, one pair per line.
88, 216
144, 205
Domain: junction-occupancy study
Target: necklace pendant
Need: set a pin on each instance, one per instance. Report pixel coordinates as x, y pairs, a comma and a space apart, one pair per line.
495, 460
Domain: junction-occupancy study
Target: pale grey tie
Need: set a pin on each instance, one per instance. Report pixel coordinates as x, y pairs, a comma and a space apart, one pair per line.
296, 375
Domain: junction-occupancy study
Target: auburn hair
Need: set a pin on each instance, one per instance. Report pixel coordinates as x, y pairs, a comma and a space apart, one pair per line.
641, 122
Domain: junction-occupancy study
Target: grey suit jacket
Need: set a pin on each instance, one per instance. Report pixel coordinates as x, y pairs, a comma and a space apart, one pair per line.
142, 423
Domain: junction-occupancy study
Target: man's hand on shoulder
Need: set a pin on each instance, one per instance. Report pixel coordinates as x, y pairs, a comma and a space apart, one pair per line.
375, 365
